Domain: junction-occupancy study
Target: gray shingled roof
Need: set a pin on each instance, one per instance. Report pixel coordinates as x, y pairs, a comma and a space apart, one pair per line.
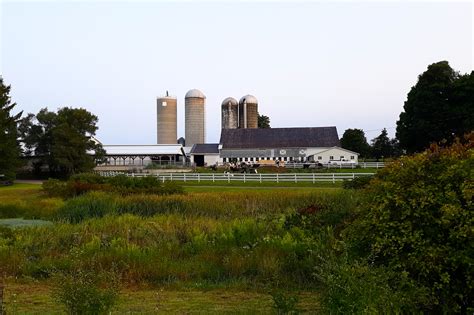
279, 138
203, 148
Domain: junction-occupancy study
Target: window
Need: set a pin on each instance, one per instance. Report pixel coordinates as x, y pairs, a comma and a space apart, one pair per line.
342, 157
331, 157
240, 159
352, 157
285, 159
246, 159
251, 159
291, 158
223, 160
320, 157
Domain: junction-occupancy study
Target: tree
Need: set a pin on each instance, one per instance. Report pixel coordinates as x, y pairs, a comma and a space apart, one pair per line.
263, 121
62, 140
9, 146
439, 107
354, 140
382, 146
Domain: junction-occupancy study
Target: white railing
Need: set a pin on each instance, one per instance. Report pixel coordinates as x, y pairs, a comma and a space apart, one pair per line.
341, 166
242, 177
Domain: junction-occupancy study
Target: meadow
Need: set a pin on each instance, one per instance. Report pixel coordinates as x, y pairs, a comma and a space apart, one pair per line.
400, 242
207, 242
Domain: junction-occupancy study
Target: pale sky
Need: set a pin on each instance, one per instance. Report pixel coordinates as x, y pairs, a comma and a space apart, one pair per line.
343, 64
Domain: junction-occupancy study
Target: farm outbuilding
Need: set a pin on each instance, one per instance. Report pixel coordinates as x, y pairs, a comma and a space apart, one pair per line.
205, 154
318, 144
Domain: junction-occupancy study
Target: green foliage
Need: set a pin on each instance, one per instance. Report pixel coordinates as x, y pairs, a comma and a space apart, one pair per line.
9, 146
82, 183
355, 287
263, 121
419, 223
439, 106
383, 147
360, 182
354, 140
62, 140
92, 205
285, 303
86, 291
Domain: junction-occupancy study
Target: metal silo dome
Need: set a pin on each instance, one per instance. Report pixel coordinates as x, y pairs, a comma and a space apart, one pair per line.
230, 113
194, 93
249, 99
230, 100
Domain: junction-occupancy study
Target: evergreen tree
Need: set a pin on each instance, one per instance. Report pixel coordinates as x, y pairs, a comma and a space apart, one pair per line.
263, 121
9, 146
382, 146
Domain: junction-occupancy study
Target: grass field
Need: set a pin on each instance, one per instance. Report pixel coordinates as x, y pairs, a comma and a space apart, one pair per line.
214, 249
35, 298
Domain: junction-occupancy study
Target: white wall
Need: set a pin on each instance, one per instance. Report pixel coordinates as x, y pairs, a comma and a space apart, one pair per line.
335, 154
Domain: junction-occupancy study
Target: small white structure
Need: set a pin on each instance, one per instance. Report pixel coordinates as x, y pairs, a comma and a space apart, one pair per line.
205, 154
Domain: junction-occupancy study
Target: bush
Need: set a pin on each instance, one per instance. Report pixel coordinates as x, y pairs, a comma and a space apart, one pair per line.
11, 211
56, 188
86, 292
419, 223
83, 183
285, 303
360, 182
92, 205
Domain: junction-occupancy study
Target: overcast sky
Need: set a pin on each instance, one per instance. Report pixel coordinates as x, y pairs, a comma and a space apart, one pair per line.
343, 64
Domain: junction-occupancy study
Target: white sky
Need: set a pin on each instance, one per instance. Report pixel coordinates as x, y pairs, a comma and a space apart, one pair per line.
343, 64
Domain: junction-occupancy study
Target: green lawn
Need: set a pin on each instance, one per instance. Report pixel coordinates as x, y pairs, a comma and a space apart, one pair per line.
32, 297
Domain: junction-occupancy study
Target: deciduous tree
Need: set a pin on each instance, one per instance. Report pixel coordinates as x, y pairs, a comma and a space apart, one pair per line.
62, 140
439, 107
354, 140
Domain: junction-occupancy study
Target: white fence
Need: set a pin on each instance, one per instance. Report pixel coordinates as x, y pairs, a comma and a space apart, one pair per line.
242, 177
328, 166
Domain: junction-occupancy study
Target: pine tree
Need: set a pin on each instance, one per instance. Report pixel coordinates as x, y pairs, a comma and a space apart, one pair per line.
9, 145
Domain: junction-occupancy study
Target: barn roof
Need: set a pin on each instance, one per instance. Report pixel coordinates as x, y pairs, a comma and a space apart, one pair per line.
205, 148
279, 138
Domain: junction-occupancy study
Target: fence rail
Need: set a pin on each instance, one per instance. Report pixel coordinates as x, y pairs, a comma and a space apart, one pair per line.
329, 166
242, 177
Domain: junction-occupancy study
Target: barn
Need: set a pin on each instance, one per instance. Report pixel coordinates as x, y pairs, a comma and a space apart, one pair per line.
314, 144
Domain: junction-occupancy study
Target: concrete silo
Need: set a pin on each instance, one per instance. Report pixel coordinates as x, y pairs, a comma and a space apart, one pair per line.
230, 113
166, 111
194, 117
248, 112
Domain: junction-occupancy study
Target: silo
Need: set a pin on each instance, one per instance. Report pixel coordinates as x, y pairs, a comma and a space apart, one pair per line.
194, 118
248, 112
230, 113
166, 110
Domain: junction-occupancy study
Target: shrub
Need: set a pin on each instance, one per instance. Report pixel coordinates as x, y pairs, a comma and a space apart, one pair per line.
11, 211
419, 223
92, 205
56, 188
285, 303
90, 178
86, 292
360, 182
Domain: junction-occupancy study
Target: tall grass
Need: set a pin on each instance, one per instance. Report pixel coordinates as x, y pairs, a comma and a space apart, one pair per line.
167, 239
